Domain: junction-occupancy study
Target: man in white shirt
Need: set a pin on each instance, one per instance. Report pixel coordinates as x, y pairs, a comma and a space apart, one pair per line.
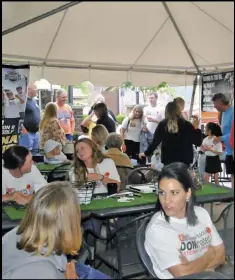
153, 114
20, 178
12, 104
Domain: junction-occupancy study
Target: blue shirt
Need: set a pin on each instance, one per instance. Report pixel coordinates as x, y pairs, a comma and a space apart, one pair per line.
226, 126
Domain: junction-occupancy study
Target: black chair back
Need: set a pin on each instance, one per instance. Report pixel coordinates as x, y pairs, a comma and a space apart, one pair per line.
140, 239
123, 172
59, 173
142, 175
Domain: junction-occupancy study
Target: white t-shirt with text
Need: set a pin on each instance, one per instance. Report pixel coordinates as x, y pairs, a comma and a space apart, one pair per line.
209, 142
133, 129
155, 113
106, 168
164, 242
27, 184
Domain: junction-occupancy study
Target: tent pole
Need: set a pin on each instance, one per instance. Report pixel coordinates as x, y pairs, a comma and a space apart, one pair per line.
33, 20
70, 95
180, 35
193, 96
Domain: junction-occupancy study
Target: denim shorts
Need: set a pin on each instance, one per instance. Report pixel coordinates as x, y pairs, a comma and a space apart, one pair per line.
86, 272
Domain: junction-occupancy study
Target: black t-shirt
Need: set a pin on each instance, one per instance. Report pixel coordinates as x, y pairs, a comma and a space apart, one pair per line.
176, 147
108, 123
32, 116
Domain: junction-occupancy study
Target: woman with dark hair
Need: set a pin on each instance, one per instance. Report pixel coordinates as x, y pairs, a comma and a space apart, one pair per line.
20, 177
212, 151
49, 230
101, 112
181, 238
177, 136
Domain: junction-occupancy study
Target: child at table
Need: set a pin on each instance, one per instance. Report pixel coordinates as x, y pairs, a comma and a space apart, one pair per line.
53, 153
212, 152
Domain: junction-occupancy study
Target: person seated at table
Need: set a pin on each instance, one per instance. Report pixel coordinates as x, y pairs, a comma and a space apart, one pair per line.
49, 231
53, 152
99, 135
90, 164
50, 127
181, 238
20, 178
114, 143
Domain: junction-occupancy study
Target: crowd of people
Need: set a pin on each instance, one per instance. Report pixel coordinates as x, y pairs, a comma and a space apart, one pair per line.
98, 150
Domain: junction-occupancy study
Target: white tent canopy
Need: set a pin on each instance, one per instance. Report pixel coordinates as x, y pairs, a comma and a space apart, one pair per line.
109, 42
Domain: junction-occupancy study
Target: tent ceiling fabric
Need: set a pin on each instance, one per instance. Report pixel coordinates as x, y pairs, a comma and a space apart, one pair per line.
110, 42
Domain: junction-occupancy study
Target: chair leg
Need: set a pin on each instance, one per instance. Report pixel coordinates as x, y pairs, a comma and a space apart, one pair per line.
211, 210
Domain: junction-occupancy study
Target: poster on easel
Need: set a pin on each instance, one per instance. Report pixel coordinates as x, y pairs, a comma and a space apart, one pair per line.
14, 97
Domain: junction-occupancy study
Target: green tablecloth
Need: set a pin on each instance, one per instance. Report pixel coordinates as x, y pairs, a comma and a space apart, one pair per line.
48, 167
208, 189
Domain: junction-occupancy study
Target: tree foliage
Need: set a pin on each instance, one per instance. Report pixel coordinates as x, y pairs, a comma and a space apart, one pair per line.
163, 87
84, 87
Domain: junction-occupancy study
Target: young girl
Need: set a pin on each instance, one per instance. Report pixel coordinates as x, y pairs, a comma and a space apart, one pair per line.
212, 152
131, 130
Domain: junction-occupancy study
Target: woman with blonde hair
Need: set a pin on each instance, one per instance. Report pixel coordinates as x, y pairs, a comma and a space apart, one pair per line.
50, 127
89, 164
99, 135
130, 132
177, 137
49, 231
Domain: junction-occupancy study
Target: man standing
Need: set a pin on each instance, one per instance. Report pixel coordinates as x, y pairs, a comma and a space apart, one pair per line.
29, 137
65, 114
153, 115
222, 105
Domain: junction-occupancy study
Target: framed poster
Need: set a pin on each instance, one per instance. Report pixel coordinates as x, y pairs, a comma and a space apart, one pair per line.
14, 97
216, 83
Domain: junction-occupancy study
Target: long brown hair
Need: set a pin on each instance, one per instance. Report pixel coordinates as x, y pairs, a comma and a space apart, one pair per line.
79, 167
49, 113
172, 115
52, 221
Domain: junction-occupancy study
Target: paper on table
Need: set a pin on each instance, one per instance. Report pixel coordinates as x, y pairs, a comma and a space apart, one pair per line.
38, 187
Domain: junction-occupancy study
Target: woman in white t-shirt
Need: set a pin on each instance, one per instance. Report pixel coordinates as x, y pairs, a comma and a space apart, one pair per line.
20, 178
181, 238
130, 132
212, 152
90, 164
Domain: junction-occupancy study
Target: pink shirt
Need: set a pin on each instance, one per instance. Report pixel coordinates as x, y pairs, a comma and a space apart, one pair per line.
66, 118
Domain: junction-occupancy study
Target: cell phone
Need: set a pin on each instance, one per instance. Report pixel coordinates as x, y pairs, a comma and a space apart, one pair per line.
112, 188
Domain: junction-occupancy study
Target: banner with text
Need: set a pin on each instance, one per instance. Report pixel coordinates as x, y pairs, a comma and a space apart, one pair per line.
216, 83
14, 97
